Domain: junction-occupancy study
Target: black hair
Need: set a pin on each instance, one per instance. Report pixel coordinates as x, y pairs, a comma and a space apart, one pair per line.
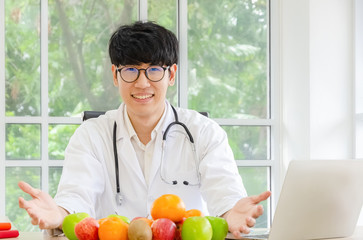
143, 42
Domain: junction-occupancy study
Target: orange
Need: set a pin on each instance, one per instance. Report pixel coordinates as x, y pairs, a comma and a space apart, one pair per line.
113, 228
101, 220
193, 213
168, 206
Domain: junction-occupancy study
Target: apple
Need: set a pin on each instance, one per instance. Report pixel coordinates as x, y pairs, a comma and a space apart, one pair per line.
197, 228
87, 229
163, 229
125, 219
179, 226
69, 223
219, 227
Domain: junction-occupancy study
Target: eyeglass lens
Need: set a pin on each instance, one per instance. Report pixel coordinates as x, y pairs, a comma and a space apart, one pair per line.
153, 73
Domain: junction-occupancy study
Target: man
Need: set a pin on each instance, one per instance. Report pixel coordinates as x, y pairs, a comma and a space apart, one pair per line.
194, 162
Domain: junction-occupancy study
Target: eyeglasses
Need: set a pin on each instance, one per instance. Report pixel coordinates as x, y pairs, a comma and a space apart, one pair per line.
131, 74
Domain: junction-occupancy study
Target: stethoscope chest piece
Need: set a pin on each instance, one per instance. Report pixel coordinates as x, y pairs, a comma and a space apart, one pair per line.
119, 198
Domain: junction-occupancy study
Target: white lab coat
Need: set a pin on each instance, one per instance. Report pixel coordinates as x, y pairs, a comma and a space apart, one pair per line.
88, 179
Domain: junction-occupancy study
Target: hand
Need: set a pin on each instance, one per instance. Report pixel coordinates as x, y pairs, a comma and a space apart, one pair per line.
244, 213
42, 208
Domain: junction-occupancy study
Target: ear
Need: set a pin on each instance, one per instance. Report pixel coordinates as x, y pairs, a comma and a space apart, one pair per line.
114, 74
173, 70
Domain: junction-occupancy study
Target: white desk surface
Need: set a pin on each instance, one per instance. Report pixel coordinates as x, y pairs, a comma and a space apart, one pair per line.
358, 235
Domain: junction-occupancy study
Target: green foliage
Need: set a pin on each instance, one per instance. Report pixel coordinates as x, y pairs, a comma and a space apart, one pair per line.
248, 143
22, 141
227, 53
256, 181
18, 216
58, 138
22, 58
79, 68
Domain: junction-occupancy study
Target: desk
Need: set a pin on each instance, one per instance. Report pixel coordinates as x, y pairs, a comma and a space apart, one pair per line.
358, 235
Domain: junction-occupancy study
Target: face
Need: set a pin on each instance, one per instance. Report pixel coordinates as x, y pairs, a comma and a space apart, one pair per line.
144, 98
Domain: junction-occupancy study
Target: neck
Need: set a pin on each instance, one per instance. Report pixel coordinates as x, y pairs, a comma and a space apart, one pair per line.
144, 125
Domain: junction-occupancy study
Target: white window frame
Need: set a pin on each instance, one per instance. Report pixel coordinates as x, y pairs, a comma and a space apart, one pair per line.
358, 14
182, 29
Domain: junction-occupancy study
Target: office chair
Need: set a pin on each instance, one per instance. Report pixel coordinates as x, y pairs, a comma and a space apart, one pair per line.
94, 114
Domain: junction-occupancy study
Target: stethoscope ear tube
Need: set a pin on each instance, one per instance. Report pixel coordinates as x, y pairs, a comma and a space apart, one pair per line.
118, 198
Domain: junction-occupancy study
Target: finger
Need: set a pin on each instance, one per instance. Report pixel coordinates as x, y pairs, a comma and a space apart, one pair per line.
25, 187
42, 224
236, 234
251, 222
24, 204
245, 229
21, 202
34, 221
261, 197
258, 212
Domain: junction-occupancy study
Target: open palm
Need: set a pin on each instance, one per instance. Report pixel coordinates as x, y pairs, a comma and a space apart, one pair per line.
244, 213
41, 208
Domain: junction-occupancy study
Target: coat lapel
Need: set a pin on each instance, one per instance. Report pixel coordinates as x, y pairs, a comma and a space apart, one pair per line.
155, 165
126, 154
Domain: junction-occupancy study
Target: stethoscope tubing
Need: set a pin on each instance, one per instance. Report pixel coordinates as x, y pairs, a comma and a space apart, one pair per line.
174, 182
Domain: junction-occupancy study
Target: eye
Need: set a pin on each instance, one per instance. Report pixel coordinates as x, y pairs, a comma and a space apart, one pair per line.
130, 70
155, 69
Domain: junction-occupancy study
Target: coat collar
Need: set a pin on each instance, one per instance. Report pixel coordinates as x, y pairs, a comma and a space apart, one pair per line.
123, 132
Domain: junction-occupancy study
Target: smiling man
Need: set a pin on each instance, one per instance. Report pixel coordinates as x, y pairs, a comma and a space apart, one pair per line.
123, 160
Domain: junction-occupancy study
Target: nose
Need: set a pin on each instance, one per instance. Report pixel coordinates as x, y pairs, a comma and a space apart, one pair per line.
142, 81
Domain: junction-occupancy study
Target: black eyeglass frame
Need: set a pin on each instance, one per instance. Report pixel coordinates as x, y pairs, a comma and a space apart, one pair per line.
146, 74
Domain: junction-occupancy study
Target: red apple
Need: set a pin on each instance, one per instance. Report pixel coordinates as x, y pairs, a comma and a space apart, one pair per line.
163, 229
87, 229
179, 226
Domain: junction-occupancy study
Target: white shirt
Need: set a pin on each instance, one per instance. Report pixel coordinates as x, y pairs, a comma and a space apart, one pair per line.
144, 153
88, 179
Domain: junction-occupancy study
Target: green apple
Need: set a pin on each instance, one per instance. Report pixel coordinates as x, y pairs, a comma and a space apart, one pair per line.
196, 228
219, 227
125, 219
70, 221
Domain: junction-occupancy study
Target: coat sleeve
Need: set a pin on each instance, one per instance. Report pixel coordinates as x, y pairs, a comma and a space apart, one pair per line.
221, 184
82, 180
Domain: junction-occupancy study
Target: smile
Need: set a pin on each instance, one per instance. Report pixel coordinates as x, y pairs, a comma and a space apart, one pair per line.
143, 96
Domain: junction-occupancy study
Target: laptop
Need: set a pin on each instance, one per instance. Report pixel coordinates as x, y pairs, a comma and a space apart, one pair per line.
319, 199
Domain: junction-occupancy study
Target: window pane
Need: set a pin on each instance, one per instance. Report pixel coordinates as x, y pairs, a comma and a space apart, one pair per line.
22, 141
164, 12
228, 56
22, 57
256, 181
19, 217
54, 177
80, 75
249, 143
58, 138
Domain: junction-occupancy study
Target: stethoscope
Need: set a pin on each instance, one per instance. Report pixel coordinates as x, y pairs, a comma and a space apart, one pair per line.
119, 197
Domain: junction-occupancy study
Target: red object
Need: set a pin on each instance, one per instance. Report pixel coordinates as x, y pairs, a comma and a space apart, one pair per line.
9, 233
87, 229
163, 229
5, 226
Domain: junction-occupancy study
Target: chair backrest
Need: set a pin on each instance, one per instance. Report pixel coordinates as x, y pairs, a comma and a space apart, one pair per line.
95, 114
91, 114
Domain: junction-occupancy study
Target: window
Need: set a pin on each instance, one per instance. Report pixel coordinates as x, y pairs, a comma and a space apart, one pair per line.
54, 65
358, 78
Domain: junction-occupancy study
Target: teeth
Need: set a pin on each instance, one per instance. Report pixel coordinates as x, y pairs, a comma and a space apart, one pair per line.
143, 97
